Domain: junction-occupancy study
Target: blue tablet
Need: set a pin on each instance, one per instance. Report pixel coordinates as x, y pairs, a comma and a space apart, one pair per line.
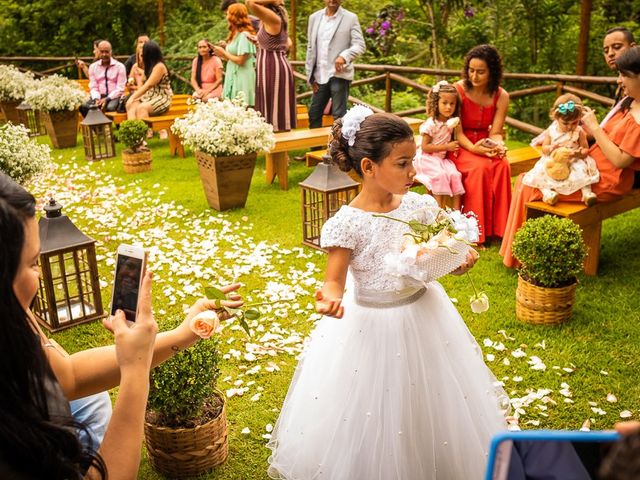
549, 454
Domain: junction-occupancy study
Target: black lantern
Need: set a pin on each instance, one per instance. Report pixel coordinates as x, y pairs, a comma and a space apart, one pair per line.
69, 291
30, 118
323, 193
97, 135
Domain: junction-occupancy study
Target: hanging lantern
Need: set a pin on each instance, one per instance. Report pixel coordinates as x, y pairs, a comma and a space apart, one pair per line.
30, 118
69, 291
97, 135
323, 193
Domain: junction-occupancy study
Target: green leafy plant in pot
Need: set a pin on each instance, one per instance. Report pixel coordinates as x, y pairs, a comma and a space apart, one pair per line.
186, 424
136, 157
551, 253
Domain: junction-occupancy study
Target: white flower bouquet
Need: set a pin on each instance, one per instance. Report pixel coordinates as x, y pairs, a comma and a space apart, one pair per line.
55, 94
21, 157
14, 83
437, 244
224, 128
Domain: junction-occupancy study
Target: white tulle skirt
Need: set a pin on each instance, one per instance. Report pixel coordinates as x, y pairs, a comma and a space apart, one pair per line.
389, 393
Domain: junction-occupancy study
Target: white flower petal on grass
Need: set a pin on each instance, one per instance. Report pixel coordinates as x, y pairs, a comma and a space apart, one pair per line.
586, 426
245, 431
626, 414
599, 411
611, 398
518, 353
256, 397
268, 427
490, 357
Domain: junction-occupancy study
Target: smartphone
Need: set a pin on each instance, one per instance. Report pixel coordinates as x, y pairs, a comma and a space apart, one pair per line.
131, 263
548, 454
487, 142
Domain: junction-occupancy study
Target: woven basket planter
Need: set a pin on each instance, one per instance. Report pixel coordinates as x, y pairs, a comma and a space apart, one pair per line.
10, 112
136, 162
62, 127
544, 306
226, 180
188, 452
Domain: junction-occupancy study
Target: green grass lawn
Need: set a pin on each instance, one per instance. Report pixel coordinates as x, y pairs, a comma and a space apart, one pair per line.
557, 377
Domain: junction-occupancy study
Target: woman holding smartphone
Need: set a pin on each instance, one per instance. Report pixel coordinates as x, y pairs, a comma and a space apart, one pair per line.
486, 175
38, 437
206, 73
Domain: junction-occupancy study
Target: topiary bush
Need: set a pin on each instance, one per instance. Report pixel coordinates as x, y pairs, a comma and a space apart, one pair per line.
550, 251
182, 387
132, 134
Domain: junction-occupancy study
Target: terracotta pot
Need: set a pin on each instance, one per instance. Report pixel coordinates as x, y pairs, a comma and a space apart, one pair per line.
62, 127
136, 162
10, 112
188, 452
226, 180
544, 306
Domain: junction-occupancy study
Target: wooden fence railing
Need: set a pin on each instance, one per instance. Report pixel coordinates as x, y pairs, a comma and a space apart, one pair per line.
366, 74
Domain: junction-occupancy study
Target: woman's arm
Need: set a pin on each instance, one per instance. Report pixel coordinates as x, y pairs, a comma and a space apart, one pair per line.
237, 59
611, 151
497, 126
547, 148
270, 19
583, 151
156, 75
329, 297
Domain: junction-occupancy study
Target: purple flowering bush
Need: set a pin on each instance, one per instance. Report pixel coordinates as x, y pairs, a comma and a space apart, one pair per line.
383, 31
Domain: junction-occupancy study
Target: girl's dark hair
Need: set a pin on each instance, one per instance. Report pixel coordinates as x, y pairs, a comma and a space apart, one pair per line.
151, 56
489, 54
377, 135
199, 65
628, 64
569, 116
434, 97
32, 444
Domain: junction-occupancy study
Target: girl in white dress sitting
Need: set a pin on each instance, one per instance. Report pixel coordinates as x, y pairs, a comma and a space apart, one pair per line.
433, 169
566, 166
391, 385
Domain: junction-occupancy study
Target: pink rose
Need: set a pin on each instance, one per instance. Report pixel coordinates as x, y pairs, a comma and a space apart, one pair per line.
205, 323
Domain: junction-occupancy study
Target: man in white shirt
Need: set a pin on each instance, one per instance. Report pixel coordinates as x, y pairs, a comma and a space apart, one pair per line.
107, 79
335, 40
616, 41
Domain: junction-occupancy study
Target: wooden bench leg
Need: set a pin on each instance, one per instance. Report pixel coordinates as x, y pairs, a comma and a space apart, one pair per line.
175, 145
277, 165
591, 236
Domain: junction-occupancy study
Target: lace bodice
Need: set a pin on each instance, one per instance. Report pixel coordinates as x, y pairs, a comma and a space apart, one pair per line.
565, 139
370, 239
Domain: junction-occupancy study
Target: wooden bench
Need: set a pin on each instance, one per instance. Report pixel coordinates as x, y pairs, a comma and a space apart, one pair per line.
277, 161
588, 218
178, 106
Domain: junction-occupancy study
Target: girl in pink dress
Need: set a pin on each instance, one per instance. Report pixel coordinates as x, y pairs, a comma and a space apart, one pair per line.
433, 169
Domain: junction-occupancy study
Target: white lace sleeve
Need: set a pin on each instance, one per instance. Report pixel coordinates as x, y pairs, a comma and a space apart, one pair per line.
415, 200
339, 230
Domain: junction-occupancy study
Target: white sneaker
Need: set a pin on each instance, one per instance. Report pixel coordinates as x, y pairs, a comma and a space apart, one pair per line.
589, 199
551, 198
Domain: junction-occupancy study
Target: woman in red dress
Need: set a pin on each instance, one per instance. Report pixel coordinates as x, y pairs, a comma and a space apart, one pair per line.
616, 152
486, 175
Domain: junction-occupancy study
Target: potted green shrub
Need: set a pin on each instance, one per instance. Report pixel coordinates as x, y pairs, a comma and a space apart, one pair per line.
186, 424
136, 157
551, 253
13, 86
58, 100
225, 136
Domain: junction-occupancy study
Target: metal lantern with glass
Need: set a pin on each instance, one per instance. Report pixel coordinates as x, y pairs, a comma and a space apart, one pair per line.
97, 135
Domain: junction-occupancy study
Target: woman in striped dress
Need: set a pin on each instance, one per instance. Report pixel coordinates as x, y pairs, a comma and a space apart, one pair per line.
154, 96
275, 91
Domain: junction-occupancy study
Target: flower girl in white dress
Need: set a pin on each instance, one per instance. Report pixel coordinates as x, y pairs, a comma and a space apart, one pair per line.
391, 385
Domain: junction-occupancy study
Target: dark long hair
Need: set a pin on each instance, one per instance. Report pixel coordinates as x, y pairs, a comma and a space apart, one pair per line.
151, 56
628, 64
199, 65
32, 443
489, 54
377, 135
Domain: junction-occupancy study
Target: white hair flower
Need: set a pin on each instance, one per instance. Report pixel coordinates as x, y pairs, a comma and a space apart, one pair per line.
436, 87
352, 120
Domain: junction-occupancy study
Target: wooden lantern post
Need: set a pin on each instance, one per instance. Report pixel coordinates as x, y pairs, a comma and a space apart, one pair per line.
323, 193
69, 290
97, 135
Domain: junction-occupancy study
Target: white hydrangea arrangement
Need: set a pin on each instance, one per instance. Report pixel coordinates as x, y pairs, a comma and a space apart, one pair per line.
55, 94
21, 157
14, 83
225, 128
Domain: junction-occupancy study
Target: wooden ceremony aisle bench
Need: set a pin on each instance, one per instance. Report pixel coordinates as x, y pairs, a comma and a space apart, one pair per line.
276, 160
178, 107
589, 219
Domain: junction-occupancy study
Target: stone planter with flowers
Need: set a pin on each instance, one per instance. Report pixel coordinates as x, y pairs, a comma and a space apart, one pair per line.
13, 85
58, 99
226, 136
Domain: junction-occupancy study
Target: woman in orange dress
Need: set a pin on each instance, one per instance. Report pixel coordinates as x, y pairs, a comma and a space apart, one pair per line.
616, 152
481, 160
206, 73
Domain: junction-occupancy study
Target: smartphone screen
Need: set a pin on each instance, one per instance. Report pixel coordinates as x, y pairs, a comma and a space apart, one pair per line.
127, 286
